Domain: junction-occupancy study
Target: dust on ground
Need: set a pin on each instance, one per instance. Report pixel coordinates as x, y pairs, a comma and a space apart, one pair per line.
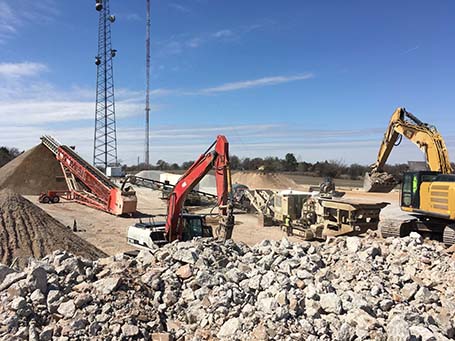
26, 230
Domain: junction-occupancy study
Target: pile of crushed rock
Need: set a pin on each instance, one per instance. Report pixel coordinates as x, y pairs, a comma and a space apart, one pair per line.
343, 289
28, 231
35, 171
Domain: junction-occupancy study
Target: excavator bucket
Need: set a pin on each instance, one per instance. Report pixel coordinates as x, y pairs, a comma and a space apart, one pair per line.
379, 182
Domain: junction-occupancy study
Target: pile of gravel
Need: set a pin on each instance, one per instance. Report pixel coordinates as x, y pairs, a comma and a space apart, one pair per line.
344, 289
28, 231
35, 171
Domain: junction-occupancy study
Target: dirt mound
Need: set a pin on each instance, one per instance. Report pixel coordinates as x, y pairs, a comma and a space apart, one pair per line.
26, 230
256, 180
33, 172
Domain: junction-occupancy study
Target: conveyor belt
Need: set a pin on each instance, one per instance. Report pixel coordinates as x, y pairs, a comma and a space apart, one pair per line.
158, 185
53, 146
93, 170
51, 143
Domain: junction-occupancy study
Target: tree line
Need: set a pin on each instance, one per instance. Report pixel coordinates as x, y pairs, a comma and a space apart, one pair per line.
330, 168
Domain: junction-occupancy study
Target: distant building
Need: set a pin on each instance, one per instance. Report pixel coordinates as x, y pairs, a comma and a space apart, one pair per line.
416, 166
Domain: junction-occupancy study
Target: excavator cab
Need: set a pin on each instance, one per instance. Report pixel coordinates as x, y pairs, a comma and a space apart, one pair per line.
194, 226
410, 189
151, 234
430, 198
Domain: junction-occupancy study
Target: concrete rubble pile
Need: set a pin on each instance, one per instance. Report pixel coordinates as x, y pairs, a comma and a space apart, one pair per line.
343, 289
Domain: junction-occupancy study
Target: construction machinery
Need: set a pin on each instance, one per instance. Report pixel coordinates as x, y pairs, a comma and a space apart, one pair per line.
194, 198
430, 199
312, 215
53, 196
322, 217
89, 186
425, 136
145, 235
181, 226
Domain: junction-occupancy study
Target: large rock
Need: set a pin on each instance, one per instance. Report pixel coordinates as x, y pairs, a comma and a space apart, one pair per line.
129, 330
38, 279
107, 285
184, 272
398, 329
331, 303
353, 244
186, 256
67, 309
4, 271
229, 328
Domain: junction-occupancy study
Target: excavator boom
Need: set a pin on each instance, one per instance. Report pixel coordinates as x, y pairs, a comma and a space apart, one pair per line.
219, 160
425, 136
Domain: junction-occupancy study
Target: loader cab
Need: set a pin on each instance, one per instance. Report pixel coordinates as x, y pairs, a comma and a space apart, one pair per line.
410, 188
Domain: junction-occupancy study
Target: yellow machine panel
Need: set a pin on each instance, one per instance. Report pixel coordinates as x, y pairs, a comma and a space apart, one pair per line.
438, 198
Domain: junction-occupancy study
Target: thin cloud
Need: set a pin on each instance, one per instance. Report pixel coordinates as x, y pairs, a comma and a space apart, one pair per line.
410, 50
14, 17
133, 17
226, 87
41, 103
177, 44
21, 69
194, 42
179, 7
254, 83
222, 34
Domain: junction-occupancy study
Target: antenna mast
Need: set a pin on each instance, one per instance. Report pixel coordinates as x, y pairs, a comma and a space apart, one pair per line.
105, 140
147, 95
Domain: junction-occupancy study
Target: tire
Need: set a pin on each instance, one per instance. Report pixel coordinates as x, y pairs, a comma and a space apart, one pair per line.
45, 200
55, 199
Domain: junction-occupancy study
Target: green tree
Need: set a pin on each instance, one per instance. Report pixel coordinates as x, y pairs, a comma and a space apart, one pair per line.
8, 154
234, 162
185, 165
290, 162
174, 166
162, 165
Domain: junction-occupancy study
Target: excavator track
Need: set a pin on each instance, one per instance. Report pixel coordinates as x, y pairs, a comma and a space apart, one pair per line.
392, 228
448, 236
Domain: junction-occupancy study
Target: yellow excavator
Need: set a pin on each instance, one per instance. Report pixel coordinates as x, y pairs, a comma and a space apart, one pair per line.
428, 195
425, 136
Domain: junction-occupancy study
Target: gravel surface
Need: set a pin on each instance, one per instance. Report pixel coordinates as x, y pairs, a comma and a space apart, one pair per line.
343, 289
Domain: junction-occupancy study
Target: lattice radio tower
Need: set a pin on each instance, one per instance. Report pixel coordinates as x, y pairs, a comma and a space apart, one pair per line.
105, 140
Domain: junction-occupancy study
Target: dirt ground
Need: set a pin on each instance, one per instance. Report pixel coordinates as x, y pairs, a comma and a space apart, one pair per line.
108, 232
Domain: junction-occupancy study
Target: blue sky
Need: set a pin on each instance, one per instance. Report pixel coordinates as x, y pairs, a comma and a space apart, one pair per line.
316, 78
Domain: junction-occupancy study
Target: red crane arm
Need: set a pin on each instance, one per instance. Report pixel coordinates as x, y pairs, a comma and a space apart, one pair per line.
218, 158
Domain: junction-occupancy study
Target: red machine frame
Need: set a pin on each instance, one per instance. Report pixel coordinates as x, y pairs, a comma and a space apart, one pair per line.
219, 160
88, 185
